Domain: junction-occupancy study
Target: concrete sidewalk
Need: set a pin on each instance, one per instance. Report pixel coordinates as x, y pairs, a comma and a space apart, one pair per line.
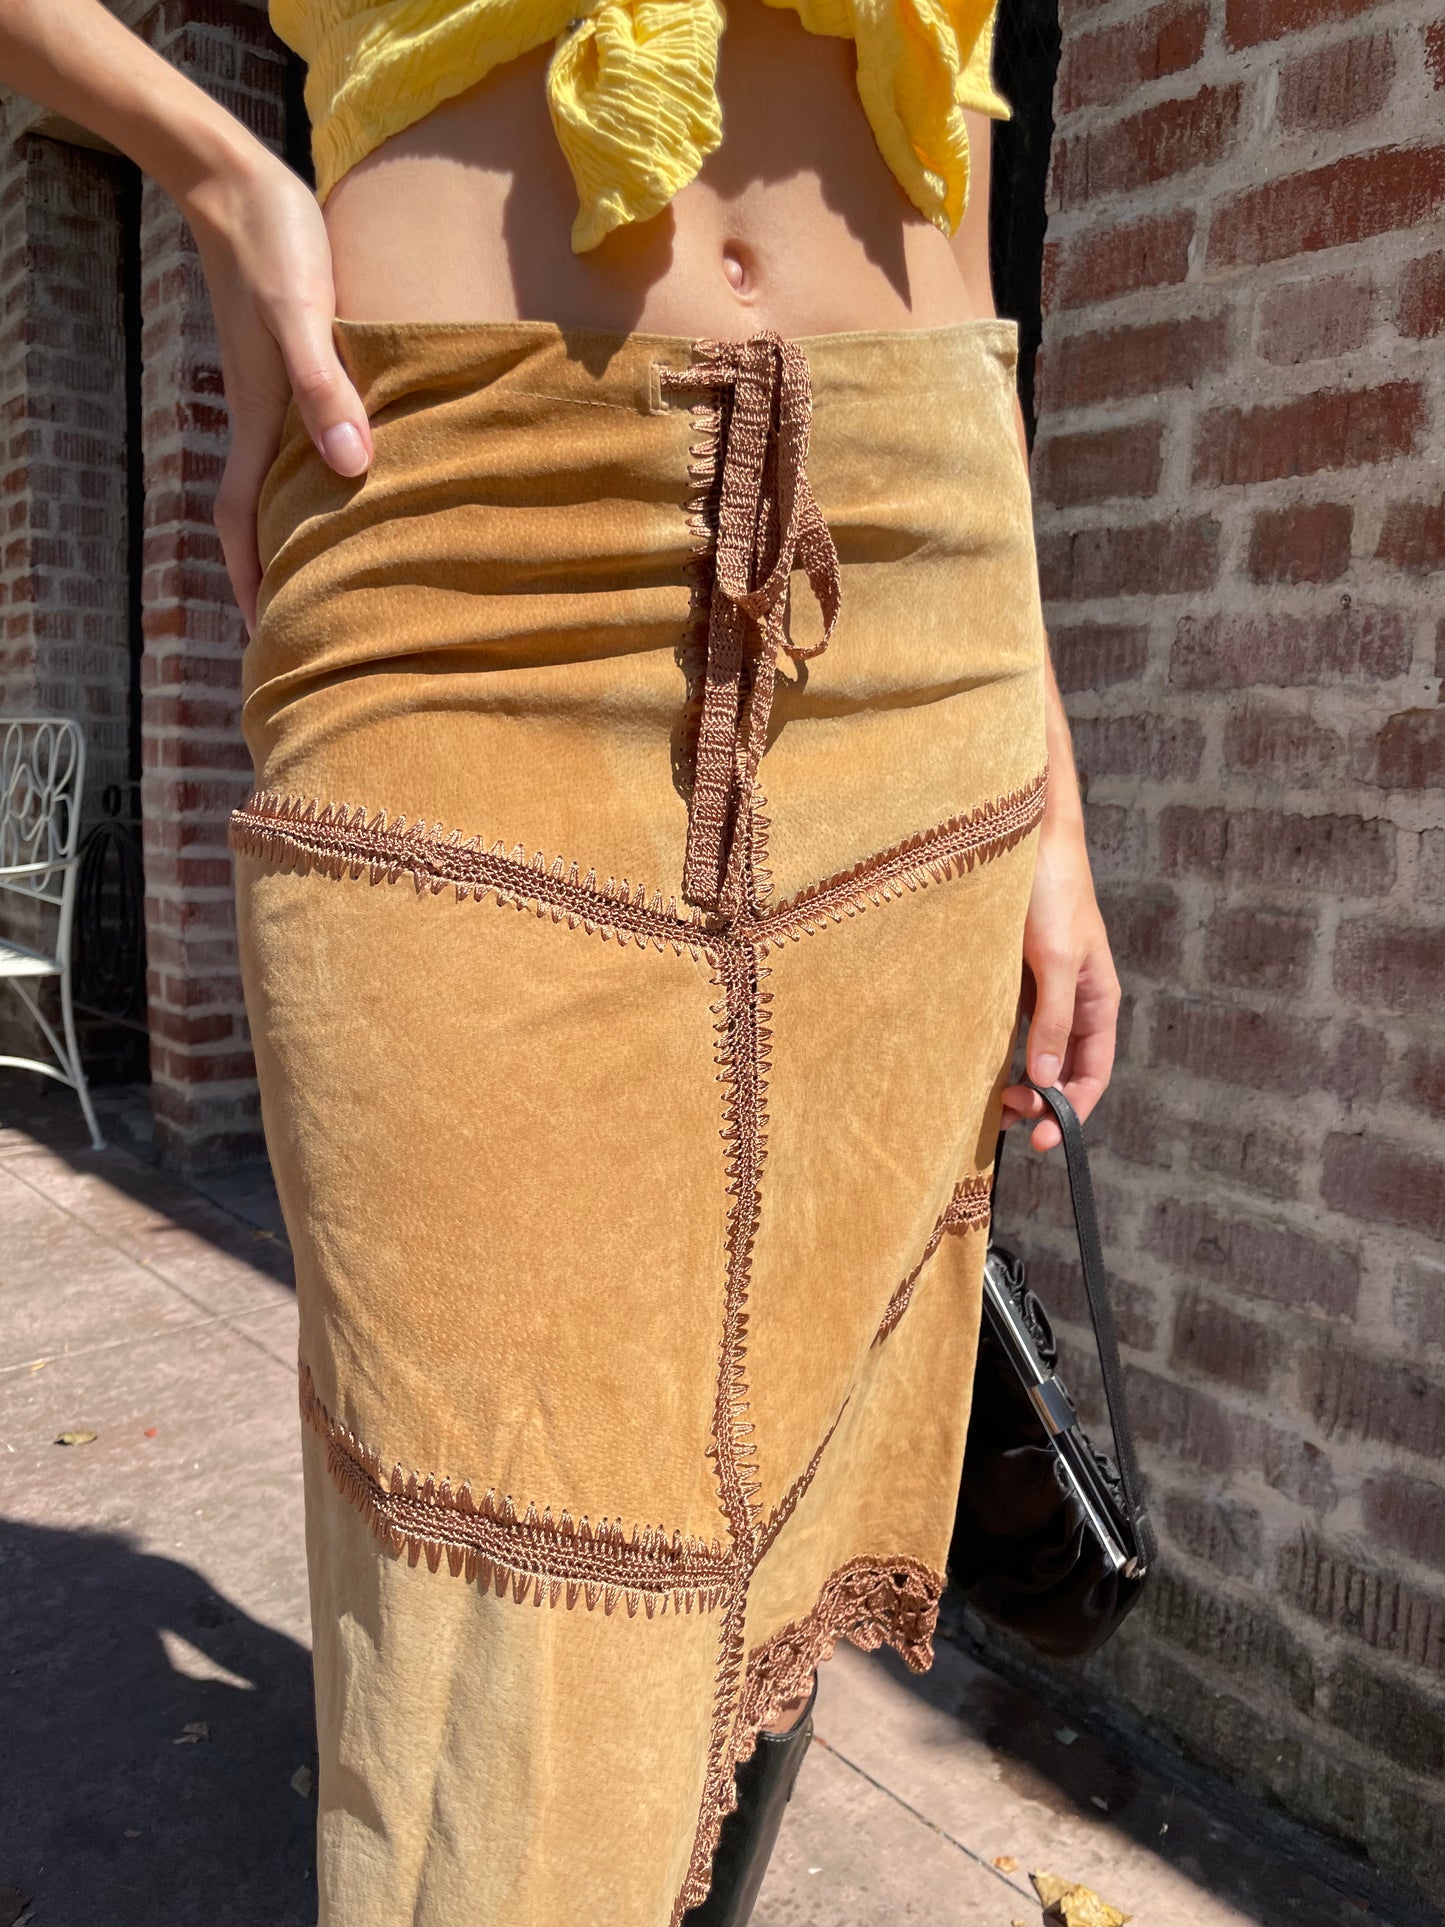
157, 1757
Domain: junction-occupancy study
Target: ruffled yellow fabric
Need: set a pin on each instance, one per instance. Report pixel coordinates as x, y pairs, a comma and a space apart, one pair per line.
631, 86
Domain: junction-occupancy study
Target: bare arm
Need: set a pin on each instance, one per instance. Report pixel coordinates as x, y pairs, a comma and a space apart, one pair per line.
1070, 988
262, 242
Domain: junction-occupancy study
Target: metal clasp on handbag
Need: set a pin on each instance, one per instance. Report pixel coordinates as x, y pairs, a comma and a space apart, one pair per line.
1060, 1420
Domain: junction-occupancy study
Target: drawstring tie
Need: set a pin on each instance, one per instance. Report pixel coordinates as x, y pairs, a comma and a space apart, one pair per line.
767, 523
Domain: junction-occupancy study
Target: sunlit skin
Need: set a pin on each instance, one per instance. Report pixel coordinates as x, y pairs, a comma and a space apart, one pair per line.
795, 223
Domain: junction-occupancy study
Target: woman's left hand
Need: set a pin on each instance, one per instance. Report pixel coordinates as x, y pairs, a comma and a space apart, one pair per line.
1070, 990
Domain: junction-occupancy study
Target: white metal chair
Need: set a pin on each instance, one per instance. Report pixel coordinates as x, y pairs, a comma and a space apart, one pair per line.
42, 780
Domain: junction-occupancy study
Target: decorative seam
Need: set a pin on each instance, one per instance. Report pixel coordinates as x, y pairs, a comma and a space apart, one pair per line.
966, 1210
486, 1540
865, 1602
929, 856
342, 842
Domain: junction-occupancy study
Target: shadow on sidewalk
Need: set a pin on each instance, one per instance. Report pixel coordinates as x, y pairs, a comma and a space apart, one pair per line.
234, 1207
113, 1815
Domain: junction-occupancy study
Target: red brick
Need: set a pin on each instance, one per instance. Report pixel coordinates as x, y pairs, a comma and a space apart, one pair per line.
1408, 1513
1266, 1261
1175, 557
1211, 1340
1362, 1601
1123, 257
1130, 1124
1308, 542
1060, 1285
1248, 22
1282, 746
1349, 643
1389, 1401
1430, 867
1161, 748
1356, 1068
1223, 1534
1388, 1716
1382, 1182
1424, 1079
1413, 537
1118, 839
1329, 429
1259, 949
1350, 855
1336, 85
1181, 1420
1391, 966
1173, 137
1417, 1304
1420, 308
1250, 1155
1347, 200
1106, 65
1259, 1050
1144, 929
1097, 655
1096, 464
1407, 752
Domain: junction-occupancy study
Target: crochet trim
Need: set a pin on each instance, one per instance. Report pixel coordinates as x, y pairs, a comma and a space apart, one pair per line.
344, 842
550, 1559
869, 1602
866, 1602
929, 856
966, 1210
303, 834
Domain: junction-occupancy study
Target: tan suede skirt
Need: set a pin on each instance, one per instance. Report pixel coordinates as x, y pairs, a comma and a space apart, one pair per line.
648, 750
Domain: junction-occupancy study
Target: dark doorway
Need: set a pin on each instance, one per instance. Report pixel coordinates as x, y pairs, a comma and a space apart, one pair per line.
1026, 60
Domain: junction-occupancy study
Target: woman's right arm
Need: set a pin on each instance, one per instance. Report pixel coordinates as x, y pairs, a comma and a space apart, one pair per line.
262, 241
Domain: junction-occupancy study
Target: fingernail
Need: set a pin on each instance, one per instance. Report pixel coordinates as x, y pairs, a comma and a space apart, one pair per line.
1047, 1070
344, 449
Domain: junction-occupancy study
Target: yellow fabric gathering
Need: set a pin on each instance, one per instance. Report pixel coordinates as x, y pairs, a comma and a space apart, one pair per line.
631, 85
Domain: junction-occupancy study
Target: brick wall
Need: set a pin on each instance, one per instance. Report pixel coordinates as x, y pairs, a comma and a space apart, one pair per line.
1241, 523
196, 766
63, 629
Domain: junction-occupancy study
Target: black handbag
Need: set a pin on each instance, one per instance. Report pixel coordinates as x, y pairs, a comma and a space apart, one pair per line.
1052, 1539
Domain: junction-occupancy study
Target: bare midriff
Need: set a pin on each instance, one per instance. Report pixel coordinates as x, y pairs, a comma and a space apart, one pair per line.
795, 223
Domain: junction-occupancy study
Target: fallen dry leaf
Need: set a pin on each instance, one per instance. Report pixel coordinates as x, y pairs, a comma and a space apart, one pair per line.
192, 1733
1074, 1905
76, 1438
301, 1781
1006, 1862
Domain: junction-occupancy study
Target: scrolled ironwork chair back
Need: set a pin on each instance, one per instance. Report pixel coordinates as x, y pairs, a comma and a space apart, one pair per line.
42, 775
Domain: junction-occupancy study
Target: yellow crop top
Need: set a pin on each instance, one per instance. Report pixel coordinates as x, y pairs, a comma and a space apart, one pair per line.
631, 85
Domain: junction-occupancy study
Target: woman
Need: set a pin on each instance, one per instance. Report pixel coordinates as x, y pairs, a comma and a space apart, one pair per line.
639, 1236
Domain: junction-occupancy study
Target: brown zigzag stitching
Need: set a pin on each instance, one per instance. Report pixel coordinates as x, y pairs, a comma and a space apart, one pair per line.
744, 1043
488, 1541
929, 856
966, 1210
341, 841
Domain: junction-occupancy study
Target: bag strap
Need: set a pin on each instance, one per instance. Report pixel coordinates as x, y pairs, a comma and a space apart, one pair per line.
1096, 1285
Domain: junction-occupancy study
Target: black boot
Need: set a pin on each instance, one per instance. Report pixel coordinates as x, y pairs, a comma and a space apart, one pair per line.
745, 1843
